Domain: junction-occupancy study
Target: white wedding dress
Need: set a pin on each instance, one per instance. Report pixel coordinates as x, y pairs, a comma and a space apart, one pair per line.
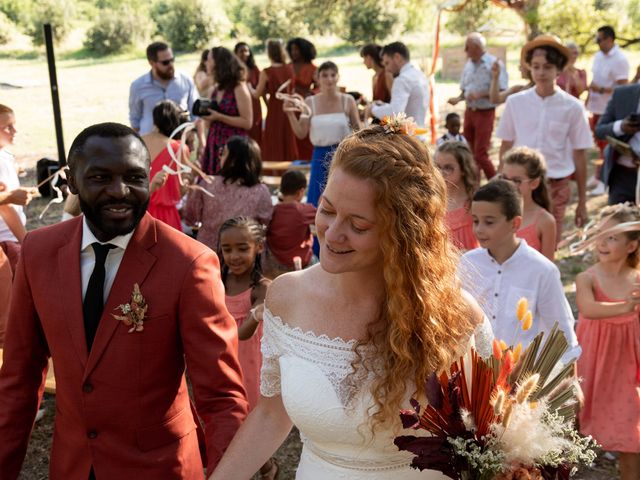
329, 407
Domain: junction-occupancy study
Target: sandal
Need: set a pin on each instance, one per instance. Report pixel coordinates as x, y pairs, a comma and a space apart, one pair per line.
272, 473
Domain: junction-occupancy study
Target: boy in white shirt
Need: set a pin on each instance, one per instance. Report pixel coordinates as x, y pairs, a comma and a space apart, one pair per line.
506, 269
12, 196
553, 122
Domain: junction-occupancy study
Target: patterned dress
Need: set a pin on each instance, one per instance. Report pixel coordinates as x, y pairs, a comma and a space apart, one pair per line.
220, 132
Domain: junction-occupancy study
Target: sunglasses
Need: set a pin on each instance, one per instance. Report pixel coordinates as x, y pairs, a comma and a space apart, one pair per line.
167, 62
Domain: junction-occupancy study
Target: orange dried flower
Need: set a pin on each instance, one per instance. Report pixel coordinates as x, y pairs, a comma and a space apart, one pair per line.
527, 321
521, 310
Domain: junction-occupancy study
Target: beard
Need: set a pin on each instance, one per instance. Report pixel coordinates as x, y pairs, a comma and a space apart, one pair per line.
110, 228
166, 75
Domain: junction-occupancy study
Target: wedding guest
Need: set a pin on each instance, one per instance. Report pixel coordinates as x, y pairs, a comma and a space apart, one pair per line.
122, 402
344, 341
554, 124
202, 79
303, 81
452, 124
235, 191
162, 82
455, 162
610, 69
608, 297
480, 113
410, 89
278, 142
289, 234
334, 116
244, 53
165, 189
241, 246
573, 80
233, 112
527, 170
12, 197
382, 80
506, 269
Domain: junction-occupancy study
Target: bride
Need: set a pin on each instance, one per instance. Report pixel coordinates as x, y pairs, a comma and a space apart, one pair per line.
347, 342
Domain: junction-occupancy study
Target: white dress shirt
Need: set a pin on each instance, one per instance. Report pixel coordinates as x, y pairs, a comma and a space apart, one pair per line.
499, 287
9, 176
608, 68
111, 264
409, 94
555, 126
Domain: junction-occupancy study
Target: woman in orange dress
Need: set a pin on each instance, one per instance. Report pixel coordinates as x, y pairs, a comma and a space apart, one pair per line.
244, 53
382, 80
302, 52
278, 142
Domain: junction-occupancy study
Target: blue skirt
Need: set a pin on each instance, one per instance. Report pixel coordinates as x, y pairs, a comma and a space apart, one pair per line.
320, 163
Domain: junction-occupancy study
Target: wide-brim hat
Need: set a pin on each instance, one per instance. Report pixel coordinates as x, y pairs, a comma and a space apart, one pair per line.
544, 41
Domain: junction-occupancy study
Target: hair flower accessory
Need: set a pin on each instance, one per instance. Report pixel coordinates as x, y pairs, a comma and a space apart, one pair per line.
133, 313
400, 123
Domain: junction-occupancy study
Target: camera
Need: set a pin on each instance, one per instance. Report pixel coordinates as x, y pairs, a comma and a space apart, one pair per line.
203, 107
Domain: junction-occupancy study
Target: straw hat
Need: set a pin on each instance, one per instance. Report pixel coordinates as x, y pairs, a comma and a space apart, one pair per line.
544, 41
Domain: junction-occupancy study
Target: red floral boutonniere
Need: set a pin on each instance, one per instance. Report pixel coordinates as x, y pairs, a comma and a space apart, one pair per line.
133, 313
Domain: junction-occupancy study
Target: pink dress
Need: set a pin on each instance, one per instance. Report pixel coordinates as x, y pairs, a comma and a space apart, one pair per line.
610, 369
248, 350
460, 225
530, 234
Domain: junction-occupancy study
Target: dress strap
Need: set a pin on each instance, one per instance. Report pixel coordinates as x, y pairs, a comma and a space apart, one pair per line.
313, 104
344, 102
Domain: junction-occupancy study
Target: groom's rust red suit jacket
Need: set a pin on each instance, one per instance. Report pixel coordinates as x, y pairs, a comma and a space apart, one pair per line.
124, 408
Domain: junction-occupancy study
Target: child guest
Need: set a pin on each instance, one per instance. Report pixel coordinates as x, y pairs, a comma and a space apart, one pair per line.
506, 269
527, 170
289, 233
452, 124
241, 243
551, 121
608, 297
455, 162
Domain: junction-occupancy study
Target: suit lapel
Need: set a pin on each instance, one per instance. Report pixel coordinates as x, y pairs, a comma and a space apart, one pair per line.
70, 285
134, 268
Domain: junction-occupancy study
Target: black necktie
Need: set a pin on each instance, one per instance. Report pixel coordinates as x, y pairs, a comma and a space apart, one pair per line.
93, 304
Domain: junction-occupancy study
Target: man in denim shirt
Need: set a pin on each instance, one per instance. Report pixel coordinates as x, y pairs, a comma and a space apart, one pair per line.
161, 83
474, 90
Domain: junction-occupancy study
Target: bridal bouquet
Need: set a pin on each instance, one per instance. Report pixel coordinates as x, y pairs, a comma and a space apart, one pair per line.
509, 417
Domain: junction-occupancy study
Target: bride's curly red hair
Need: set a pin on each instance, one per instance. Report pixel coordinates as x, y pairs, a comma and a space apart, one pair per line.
424, 319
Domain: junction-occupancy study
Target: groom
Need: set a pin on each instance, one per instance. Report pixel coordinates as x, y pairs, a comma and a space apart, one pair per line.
122, 404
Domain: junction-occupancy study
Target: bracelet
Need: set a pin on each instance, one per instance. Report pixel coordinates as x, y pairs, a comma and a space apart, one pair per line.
252, 315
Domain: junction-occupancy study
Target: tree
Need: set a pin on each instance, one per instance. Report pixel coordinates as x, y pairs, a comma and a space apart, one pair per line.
528, 10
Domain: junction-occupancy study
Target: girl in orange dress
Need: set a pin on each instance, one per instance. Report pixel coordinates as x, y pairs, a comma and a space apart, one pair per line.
455, 162
278, 142
608, 299
303, 81
240, 247
244, 53
526, 168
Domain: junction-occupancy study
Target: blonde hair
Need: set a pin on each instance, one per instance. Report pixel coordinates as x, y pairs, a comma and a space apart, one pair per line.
460, 151
622, 213
423, 318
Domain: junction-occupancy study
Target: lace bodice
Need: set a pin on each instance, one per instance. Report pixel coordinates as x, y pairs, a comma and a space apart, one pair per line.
330, 406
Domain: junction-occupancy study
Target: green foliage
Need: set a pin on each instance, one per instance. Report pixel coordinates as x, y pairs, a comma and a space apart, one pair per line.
7, 29
116, 30
369, 20
271, 18
18, 11
59, 13
189, 25
475, 14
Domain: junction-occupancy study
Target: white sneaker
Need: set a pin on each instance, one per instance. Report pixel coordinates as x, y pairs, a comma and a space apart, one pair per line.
39, 415
592, 182
598, 190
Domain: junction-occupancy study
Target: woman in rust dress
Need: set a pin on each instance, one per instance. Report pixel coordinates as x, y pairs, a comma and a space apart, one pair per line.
302, 52
382, 80
244, 53
233, 112
278, 142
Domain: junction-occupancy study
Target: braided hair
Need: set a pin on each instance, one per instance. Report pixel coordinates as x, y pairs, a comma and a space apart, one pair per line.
259, 234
